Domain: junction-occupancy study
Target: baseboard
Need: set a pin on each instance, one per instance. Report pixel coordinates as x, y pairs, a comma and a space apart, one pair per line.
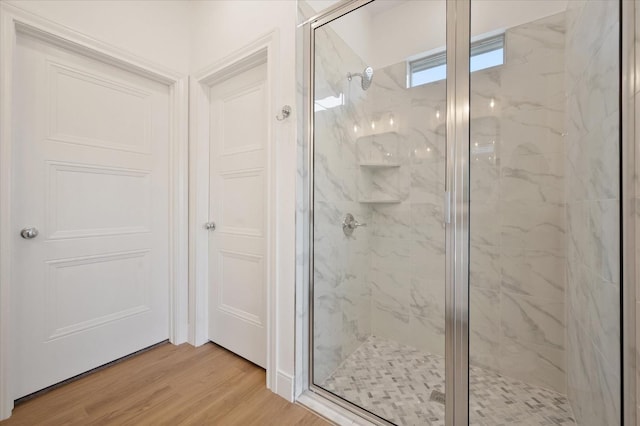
6, 407
284, 385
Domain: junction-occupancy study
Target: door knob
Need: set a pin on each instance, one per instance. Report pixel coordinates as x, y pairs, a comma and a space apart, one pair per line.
210, 226
29, 233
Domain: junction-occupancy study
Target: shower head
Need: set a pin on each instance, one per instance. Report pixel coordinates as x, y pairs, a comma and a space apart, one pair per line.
366, 77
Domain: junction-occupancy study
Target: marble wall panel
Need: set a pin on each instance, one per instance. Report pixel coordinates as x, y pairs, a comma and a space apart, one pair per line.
517, 210
412, 315
593, 212
342, 291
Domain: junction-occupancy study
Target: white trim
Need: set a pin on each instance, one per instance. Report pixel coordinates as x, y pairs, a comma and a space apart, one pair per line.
14, 20
7, 42
303, 214
179, 216
263, 49
284, 385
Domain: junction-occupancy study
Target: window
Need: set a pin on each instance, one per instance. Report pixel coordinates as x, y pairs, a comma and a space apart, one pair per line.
485, 53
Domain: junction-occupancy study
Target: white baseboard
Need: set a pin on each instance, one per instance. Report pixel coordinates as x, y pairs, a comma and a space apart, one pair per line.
5, 409
284, 386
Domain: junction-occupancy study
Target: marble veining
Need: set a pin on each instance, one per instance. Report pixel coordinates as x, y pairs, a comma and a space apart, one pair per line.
342, 294
518, 215
517, 212
592, 212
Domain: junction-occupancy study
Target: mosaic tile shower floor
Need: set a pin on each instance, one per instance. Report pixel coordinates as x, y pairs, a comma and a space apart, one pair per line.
396, 382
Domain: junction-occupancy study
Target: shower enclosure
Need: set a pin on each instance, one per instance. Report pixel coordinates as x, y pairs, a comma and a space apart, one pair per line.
464, 231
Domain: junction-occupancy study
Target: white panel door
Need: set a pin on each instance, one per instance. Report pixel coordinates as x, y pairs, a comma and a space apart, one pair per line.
91, 174
237, 305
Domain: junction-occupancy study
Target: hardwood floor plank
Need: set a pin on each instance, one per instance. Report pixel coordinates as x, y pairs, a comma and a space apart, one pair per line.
167, 385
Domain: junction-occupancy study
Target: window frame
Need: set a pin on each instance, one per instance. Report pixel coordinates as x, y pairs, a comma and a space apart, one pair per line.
479, 47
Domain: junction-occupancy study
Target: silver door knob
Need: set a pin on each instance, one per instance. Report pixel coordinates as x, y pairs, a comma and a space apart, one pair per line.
29, 233
210, 226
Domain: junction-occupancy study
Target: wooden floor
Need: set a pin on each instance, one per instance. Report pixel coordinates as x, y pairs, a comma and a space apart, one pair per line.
167, 385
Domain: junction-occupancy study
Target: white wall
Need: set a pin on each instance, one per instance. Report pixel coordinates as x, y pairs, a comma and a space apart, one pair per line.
218, 29
157, 31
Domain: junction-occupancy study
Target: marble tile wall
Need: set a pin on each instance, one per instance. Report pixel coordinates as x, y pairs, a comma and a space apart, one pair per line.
341, 263
407, 238
544, 272
593, 211
517, 212
517, 279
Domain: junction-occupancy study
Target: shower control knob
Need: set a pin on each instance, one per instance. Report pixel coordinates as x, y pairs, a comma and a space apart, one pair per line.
349, 224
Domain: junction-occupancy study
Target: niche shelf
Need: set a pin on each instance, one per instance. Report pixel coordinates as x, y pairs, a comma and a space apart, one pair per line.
379, 201
378, 165
378, 135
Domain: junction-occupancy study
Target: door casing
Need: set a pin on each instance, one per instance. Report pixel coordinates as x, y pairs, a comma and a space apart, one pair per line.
13, 21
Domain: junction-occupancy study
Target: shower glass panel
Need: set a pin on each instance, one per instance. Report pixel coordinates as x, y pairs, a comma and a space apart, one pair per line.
378, 297
545, 214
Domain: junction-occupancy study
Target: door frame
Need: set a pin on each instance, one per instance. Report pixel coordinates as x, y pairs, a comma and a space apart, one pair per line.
456, 200
457, 218
630, 187
15, 21
262, 50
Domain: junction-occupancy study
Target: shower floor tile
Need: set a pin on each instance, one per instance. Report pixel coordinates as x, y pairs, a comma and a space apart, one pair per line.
396, 382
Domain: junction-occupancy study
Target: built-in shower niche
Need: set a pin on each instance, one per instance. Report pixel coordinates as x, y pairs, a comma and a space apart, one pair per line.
378, 163
485, 142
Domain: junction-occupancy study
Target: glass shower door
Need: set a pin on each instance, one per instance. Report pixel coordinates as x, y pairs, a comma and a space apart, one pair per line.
378, 273
535, 144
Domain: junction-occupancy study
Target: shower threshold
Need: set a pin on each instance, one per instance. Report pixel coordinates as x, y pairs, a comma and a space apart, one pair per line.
405, 386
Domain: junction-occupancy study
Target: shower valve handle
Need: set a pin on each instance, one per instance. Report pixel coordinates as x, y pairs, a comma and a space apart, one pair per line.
349, 224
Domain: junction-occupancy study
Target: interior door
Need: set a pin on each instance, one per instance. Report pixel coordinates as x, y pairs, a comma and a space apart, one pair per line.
237, 207
91, 178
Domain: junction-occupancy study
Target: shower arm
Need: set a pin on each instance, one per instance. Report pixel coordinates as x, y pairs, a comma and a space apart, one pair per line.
366, 77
